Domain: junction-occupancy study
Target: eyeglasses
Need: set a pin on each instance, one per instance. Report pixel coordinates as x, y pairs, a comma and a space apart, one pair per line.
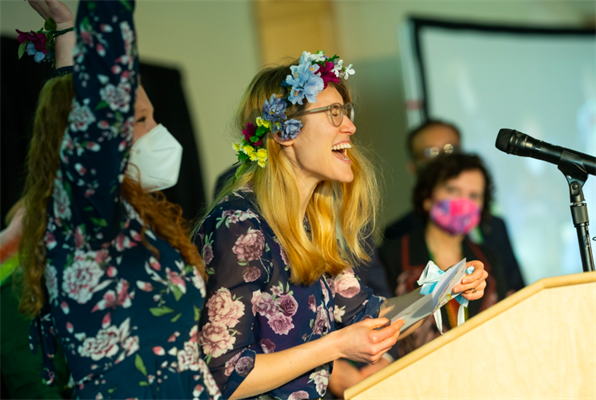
432, 152
336, 112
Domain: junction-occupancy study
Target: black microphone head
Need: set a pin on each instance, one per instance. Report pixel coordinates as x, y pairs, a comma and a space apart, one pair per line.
503, 139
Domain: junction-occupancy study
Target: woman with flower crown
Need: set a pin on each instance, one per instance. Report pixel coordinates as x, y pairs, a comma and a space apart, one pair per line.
108, 268
280, 241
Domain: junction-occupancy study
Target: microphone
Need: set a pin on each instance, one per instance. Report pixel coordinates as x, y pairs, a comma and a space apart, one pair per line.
513, 142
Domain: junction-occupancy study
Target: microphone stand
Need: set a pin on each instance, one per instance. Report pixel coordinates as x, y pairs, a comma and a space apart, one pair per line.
576, 176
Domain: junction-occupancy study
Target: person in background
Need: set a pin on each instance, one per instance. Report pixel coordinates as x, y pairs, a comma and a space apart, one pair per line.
452, 196
424, 143
107, 265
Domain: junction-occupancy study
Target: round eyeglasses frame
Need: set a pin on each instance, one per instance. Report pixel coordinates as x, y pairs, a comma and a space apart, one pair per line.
335, 112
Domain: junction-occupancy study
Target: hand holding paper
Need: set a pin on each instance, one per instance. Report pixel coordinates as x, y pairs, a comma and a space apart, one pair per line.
437, 288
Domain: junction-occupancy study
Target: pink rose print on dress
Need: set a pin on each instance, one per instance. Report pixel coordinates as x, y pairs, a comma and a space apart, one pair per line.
215, 339
321, 325
212, 387
61, 199
189, 357
338, 313
312, 303
262, 303
80, 117
346, 284
268, 346
231, 363
284, 257
207, 253
249, 247
244, 366
81, 279
321, 379
117, 97
105, 344
299, 395
288, 305
251, 274
280, 324
224, 309
52, 283
120, 297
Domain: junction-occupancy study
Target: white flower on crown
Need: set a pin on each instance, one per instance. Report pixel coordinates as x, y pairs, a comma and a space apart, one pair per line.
349, 71
337, 68
316, 57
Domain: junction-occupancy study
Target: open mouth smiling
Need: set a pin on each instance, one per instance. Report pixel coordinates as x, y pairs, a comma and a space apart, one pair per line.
340, 151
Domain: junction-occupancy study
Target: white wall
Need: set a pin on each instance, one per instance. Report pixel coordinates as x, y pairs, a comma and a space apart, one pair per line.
215, 45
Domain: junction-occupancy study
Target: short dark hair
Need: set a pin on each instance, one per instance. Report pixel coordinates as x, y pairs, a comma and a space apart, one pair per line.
428, 124
443, 168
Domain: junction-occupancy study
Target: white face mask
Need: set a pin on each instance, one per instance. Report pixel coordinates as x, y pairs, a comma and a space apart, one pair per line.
156, 156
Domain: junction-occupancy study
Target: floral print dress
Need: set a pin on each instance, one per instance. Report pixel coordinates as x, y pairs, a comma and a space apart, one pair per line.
127, 321
252, 306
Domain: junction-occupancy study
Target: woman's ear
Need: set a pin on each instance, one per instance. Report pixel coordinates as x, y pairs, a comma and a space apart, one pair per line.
278, 139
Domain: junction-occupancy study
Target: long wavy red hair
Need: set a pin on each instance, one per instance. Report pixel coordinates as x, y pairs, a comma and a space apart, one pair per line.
51, 119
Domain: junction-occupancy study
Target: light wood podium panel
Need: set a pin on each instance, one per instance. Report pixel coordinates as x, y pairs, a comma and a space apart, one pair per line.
539, 343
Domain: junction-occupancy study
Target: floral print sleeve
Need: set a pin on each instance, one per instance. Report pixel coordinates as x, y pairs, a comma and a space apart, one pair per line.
252, 306
238, 260
353, 301
127, 320
95, 146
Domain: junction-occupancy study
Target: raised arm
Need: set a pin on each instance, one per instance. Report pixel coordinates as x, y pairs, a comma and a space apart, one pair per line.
95, 147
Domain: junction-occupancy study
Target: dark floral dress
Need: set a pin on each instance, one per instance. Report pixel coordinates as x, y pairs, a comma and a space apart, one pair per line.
127, 321
253, 308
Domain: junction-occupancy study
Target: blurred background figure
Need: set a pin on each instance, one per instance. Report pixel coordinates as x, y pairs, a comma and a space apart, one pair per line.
426, 142
19, 367
452, 196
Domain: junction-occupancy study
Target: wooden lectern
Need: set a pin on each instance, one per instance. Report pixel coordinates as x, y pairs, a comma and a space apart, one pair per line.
539, 343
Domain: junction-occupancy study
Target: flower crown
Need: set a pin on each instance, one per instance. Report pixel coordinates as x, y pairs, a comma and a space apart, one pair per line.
309, 78
40, 44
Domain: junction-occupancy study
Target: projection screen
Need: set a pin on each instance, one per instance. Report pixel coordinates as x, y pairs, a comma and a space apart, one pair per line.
537, 81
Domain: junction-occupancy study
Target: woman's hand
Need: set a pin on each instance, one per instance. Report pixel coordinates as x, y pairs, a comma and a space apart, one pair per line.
368, 340
63, 16
473, 285
54, 9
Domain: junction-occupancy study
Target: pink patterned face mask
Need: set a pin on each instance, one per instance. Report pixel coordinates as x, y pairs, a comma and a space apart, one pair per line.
456, 216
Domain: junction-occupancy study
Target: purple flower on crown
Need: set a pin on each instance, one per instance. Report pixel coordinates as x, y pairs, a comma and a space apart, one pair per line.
291, 129
327, 74
274, 109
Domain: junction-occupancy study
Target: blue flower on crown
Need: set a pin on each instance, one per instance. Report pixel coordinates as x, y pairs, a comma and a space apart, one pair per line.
274, 109
304, 82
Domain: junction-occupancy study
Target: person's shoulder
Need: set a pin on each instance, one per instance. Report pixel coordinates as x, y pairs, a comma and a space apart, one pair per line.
238, 207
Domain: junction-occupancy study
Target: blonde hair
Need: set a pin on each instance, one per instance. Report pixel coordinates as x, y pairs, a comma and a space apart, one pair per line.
51, 120
341, 215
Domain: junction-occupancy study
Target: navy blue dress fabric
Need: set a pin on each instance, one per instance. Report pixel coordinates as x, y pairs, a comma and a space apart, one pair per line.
127, 321
252, 306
